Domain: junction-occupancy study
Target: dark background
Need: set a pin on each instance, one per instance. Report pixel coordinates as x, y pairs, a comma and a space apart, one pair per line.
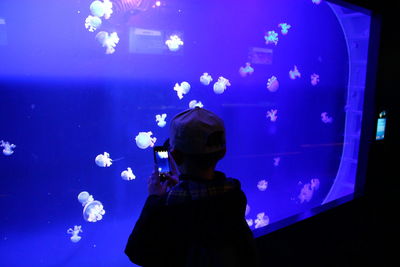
365, 231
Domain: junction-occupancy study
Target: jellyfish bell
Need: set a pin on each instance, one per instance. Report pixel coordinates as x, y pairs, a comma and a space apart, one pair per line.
97, 8
84, 197
144, 140
93, 211
205, 78
101, 37
92, 23
273, 84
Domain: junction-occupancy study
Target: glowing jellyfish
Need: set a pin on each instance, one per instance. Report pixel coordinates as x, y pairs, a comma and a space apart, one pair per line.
109, 41
220, 85
262, 185
272, 114
103, 160
205, 78
128, 175
307, 191
100, 9
314, 79
262, 220
160, 119
273, 84
317, 2
194, 103
93, 210
7, 148
247, 70
284, 28
277, 161
182, 89
75, 233
271, 37
293, 74
144, 140
173, 43
325, 118
247, 210
92, 23
249, 222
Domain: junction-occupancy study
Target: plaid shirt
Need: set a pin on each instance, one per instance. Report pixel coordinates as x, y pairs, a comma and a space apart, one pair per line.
195, 189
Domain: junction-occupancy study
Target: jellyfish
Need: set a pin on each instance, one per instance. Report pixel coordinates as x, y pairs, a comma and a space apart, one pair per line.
262, 185
128, 175
109, 41
103, 160
273, 84
7, 148
308, 189
325, 118
244, 71
249, 222
182, 89
220, 85
317, 2
271, 37
277, 161
194, 103
294, 73
160, 119
314, 184
100, 9
314, 79
247, 210
205, 78
75, 233
92, 23
272, 115
144, 140
285, 27
173, 43
262, 220
93, 210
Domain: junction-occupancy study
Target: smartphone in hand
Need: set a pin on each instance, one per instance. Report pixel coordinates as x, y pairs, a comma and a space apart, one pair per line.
161, 161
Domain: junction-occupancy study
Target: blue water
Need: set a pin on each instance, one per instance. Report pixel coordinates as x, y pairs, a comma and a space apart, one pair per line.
63, 102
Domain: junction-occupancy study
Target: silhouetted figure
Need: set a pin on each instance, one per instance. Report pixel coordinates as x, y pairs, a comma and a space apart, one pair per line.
198, 219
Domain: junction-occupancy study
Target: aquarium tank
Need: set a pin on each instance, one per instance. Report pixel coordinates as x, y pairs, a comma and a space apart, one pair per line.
87, 88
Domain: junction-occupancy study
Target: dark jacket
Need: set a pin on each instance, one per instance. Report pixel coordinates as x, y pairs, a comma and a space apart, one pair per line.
197, 224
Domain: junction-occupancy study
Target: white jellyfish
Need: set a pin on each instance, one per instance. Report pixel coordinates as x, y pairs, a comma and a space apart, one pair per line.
220, 85
109, 41
100, 9
205, 78
325, 118
173, 43
247, 210
249, 222
273, 84
271, 37
93, 210
144, 140
262, 220
262, 185
194, 103
284, 28
308, 189
244, 71
317, 2
92, 23
314, 79
128, 175
7, 148
277, 161
293, 74
182, 89
75, 233
160, 119
272, 114
103, 160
